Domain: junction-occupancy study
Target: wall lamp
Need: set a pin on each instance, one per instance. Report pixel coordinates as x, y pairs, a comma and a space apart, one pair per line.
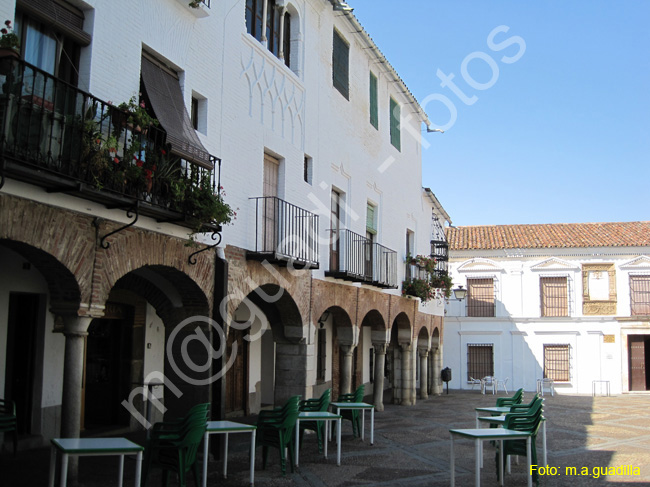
460, 293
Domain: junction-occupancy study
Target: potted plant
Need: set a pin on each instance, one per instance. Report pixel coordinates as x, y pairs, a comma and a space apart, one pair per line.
137, 119
9, 47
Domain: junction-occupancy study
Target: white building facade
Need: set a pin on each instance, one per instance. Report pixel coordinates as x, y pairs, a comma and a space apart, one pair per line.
567, 301
315, 142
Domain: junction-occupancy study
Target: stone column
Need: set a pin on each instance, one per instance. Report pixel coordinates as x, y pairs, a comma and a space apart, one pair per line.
75, 330
265, 41
346, 368
408, 385
424, 373
437, 368
380, 361
282, 11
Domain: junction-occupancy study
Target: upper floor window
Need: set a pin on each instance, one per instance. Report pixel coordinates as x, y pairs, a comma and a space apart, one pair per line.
275, 31
340, 65
640, 295
395, 116
480, 297
51, 38
554, 296
374, 108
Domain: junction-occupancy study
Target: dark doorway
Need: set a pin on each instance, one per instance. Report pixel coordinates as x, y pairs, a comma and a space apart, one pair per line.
639, 357
108, 369
25, 311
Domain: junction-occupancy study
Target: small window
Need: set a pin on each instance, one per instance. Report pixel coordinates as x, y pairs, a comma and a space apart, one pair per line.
640, 295
480, 360
308, 169
554, 296
195, 113
395, 117
374, 108
340, 65
371, 219
556, 362
480, 297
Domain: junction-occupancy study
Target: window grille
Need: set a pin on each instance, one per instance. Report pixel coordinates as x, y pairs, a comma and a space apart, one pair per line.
480, 297
557, 362
554, 296
640, 295
480, 360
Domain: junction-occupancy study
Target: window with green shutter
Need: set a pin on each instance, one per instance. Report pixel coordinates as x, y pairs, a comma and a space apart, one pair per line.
374, 109
340, 65
395, 116
371, 220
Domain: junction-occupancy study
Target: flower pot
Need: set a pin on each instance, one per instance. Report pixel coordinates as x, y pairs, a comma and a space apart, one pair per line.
8, 57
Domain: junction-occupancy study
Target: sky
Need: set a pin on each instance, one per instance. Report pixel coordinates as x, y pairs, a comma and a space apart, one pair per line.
547, 114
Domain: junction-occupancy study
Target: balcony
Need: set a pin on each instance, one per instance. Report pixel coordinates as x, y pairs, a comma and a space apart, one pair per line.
284, 233
356, 258
58, 137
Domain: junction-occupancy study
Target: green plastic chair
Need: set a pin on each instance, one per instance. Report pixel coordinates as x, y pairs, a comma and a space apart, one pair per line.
524, 407
173, 446
275, 429
353, 415
510, 401
8, 421
529, 421
317, 404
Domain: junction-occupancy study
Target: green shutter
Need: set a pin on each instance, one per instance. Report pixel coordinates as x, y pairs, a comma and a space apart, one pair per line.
394, 124
374, 109
371, 222
340, 65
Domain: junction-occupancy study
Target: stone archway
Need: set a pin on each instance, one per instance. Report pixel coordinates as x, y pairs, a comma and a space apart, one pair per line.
380, 339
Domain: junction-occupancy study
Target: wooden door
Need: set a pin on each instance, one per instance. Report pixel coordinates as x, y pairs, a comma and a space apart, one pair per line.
271, 203
236, 376
636, 351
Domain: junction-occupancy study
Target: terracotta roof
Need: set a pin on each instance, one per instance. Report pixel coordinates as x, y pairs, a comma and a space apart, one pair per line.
557, 235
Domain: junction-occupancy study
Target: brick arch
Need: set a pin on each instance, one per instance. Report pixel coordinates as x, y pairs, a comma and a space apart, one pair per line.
372, 300
157, 286
435, 338
134, 248
423, 338
402, 328
68, 239
244, 277
326, 294
65, 294
375, 320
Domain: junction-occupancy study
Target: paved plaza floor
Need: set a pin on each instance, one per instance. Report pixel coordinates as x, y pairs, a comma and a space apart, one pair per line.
605, 438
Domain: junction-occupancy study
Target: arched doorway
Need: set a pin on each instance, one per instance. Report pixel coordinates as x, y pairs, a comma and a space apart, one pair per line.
267, 328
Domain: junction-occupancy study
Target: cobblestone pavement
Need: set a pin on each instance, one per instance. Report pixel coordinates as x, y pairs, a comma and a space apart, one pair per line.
412, 447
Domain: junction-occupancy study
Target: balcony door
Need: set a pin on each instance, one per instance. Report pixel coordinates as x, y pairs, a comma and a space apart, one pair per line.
271, 207
335, 227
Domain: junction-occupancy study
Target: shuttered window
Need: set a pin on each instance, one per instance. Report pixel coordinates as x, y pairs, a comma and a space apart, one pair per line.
554, 296
371, 219
557, 362
395, 115
374, 108
480, 360
340, 65
640, 295
480, 297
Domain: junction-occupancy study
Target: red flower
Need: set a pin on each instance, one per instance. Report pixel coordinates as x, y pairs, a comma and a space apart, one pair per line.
8, 23
163, 152
4, 31
148, 173
116, 160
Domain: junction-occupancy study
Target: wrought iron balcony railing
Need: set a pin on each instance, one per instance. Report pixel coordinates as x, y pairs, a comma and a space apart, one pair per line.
356, 258
66, 140
284, 233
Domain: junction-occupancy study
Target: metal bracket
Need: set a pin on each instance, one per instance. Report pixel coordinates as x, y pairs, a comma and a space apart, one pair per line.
130, 213
192, 259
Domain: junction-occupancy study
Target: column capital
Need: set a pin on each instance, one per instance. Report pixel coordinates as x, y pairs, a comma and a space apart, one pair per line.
423, 352
347, 350
76, 325
380, 347
406, 346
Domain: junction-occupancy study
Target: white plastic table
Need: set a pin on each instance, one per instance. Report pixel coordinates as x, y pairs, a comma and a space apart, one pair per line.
361, 406
327, 417
479, 435
93, 447
225, 428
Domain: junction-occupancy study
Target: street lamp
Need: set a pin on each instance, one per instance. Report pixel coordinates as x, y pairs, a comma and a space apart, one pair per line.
460, 293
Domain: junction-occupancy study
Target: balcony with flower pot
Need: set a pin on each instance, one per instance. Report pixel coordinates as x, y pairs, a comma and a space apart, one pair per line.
66, 140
